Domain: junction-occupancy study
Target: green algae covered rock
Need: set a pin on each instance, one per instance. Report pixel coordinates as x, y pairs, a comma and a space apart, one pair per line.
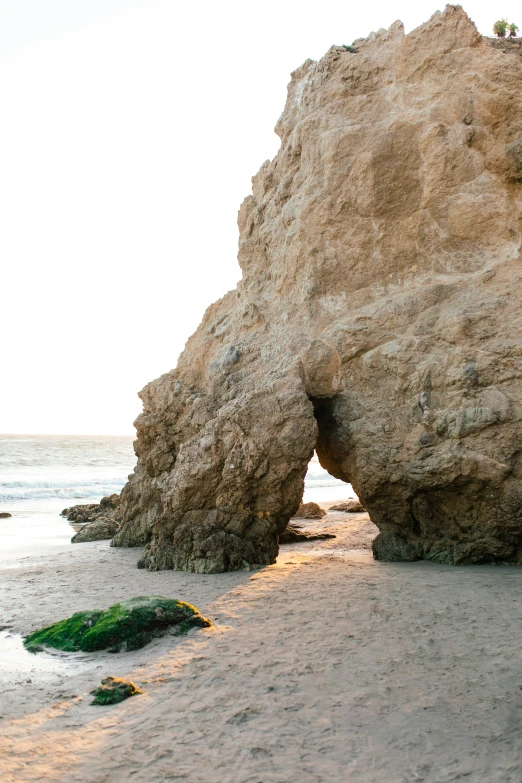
128, 625
114, 689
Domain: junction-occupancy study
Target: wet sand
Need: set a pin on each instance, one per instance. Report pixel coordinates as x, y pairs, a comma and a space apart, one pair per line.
327, 666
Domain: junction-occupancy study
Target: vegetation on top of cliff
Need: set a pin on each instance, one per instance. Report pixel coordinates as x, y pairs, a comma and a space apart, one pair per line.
128, 625
502, 26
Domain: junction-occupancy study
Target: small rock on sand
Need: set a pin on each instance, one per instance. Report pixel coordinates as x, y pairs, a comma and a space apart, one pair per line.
114, 689
5, 515
99, 530
309, 511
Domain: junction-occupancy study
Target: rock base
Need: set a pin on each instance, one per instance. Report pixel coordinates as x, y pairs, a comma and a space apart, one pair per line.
390, 547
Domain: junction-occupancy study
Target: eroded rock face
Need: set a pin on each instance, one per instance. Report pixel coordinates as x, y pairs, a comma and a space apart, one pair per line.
378, 320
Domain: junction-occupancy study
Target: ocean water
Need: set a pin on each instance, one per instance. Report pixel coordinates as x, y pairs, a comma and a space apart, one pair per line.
321, 487
42, 474
73, 467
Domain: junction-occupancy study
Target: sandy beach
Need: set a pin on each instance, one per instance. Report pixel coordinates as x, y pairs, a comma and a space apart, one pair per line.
326, 666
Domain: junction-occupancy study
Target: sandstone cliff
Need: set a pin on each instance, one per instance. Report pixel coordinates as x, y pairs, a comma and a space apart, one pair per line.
378, 320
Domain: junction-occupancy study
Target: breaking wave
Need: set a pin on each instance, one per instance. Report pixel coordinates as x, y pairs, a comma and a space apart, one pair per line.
88, 468
27, 490
40, 467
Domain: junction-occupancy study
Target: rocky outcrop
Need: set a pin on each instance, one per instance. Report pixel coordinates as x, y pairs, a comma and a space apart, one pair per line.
348, 506
95, 521
108, 507
309, 511
378, 321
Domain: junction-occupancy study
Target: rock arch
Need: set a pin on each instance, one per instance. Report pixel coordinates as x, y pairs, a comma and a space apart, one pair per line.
378, 317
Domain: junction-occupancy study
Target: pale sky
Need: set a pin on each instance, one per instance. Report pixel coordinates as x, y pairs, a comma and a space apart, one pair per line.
130, 131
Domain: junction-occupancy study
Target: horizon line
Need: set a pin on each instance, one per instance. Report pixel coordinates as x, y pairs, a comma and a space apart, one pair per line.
70, 434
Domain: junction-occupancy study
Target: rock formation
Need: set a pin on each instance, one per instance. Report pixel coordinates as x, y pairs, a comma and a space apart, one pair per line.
378, 320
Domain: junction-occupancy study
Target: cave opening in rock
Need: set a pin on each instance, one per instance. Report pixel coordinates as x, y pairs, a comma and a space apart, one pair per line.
326, 478
326, 482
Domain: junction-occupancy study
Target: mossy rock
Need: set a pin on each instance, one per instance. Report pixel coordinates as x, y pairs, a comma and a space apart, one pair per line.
128, 625
113, 690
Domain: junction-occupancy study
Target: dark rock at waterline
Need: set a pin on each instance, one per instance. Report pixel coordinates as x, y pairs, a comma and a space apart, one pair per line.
128, 625
101, 520
350, 506
309, 511
5, 515
294, 535
99, 530
89, 512
113, 690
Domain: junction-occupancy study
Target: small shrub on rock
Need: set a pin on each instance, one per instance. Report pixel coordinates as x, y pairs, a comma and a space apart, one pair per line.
500, 28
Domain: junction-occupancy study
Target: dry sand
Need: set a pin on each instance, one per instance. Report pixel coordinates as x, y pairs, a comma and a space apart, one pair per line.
325, 667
